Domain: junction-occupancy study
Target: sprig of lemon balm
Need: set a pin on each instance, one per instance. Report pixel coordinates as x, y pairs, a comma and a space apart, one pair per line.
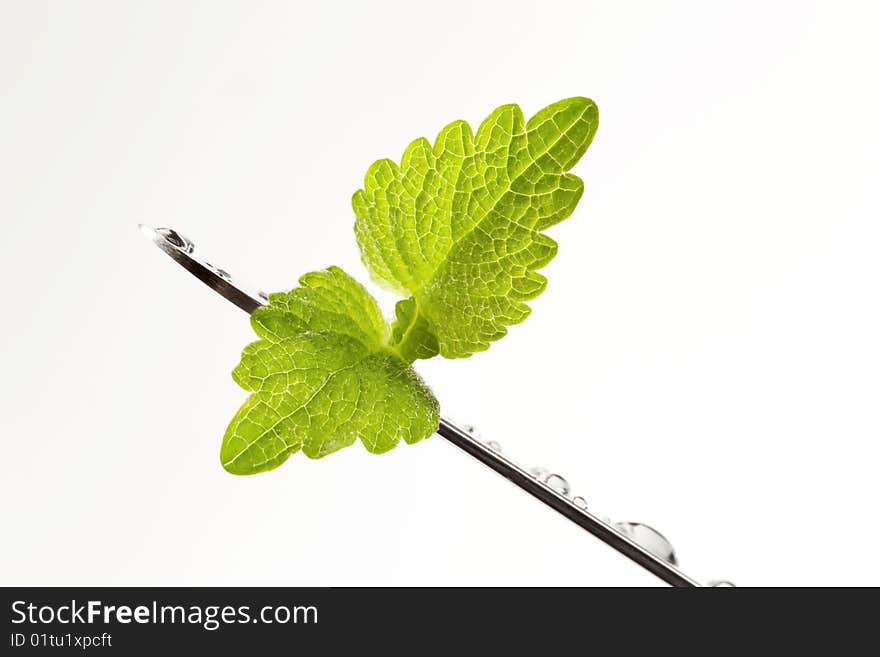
456, 228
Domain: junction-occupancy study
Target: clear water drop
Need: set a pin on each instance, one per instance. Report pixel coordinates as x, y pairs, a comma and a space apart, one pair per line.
579, 502
495, 446
558, 483
472, 431
177, 239
539, 473
721, 584
649, 538
222, 273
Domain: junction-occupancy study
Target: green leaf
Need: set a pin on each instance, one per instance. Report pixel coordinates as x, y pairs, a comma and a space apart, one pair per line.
456, 227
323, 377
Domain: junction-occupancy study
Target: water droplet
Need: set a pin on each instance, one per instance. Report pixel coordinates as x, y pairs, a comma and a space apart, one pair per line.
579, 502
649, 538
222, 273
721, 584
180, 241
540, 474
558, 483
471, 430
493, 445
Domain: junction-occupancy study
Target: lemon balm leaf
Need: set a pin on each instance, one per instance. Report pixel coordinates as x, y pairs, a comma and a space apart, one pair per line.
327, 300
318, 393
323, 377
457, 226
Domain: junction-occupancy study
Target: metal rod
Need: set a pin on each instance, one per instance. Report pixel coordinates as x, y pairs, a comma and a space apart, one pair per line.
182, 251
560, 503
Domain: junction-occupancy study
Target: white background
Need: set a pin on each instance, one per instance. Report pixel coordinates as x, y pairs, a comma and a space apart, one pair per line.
705, 358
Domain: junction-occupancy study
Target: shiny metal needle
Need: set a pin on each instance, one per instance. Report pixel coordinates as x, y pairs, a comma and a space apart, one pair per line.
183, 252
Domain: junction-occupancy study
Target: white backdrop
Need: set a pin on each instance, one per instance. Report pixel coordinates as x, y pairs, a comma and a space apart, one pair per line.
705, 358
